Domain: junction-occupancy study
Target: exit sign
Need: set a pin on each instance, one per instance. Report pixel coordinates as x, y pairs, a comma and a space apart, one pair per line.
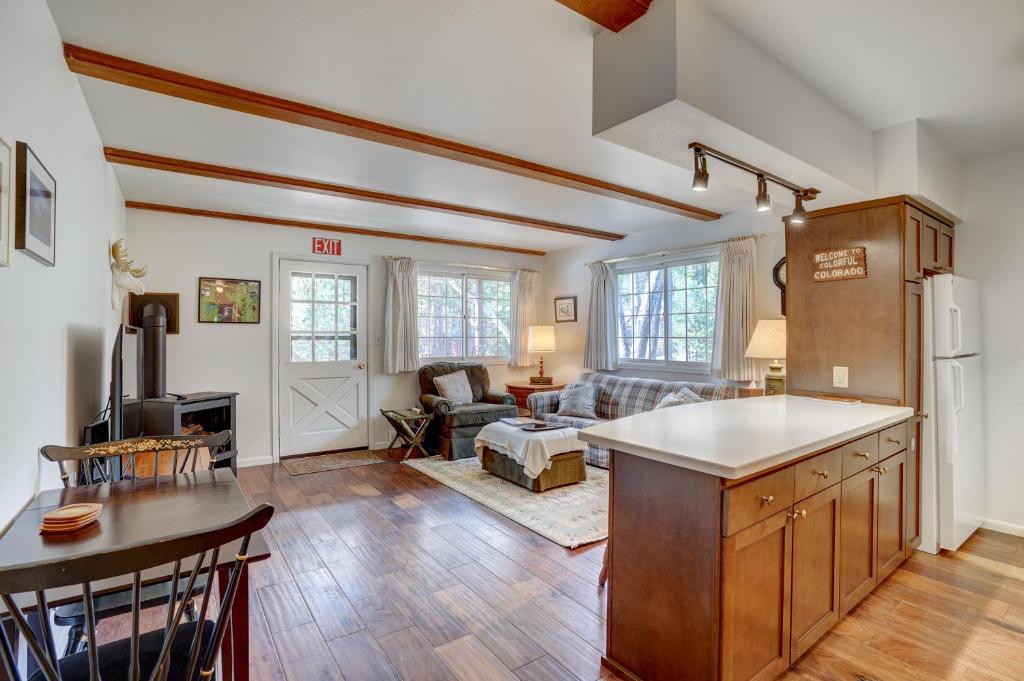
322, 246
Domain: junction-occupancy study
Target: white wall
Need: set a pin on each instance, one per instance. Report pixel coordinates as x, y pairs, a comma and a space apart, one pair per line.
910, 159
990, 248
565, 274
237, 357
57, 323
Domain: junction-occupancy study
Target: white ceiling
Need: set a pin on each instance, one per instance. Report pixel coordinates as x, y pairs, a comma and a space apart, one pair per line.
957, 65
508, 75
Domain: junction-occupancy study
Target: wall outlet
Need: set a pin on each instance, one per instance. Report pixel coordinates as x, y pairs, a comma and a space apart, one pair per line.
840, 377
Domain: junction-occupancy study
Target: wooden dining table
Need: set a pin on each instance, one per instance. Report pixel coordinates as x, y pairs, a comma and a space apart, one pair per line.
136, 511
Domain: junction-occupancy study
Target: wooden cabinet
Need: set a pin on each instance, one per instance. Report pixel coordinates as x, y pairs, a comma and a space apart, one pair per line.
523, 389
946, 238
931, 237
859, 551
756, 581
913, 241
815, 568
891, 518
912, 507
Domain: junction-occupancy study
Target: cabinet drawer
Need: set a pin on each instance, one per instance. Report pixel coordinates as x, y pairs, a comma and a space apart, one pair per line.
860, 454
818, 473
756, 500
892, 440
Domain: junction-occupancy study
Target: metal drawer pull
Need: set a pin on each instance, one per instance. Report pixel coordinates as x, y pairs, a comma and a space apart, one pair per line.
863, 455
768, 499
882, 470
797, 515
892, 440
822, 474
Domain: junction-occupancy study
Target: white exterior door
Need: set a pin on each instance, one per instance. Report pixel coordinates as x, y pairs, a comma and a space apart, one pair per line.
322, 375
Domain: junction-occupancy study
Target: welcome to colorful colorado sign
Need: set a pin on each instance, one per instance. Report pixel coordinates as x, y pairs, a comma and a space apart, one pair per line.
841, 263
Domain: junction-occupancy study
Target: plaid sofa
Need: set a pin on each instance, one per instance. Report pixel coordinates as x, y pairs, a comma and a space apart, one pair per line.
617, 397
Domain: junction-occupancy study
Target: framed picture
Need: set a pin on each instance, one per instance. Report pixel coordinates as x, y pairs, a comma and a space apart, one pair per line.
229, 301
35, 215
6, 202
168, 300
565, 309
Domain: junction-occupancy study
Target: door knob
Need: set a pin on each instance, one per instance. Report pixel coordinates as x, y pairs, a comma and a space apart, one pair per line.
797, 515
768, 500
361, 365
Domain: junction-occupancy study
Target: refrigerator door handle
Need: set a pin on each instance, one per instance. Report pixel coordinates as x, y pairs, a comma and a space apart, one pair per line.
958, 406
956, 331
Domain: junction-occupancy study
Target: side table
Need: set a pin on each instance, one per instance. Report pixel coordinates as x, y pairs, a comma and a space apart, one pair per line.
410, 427
523, 389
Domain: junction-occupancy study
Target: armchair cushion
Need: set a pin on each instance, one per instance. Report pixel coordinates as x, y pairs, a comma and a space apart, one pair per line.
454, 387
476, 414
479, 379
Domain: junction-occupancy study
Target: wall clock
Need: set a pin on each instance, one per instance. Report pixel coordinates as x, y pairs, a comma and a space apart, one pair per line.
779, 277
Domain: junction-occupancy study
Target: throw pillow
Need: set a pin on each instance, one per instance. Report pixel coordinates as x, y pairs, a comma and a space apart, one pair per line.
454, 387
581, 401
681, 396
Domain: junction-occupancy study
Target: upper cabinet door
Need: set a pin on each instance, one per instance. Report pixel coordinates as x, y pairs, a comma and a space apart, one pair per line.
913, 234
931, 237
946, 249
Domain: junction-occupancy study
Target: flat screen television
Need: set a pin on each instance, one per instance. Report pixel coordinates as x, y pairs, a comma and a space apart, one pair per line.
126, 384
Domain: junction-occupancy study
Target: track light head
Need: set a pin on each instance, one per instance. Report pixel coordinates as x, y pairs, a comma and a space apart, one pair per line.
763, 201
700, 171
799, 215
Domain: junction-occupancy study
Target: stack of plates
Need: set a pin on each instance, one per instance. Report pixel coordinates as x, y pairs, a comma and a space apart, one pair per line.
70, 518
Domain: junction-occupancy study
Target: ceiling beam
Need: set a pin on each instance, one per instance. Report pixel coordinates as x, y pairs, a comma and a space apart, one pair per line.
142, 160
107, 67
614, 15
325, 227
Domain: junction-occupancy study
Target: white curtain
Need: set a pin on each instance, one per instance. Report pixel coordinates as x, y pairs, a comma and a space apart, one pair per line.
400, 332
600, 353
736, 315
524, 313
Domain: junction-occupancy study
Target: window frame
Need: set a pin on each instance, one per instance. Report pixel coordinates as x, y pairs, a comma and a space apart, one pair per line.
466, 274
694, 257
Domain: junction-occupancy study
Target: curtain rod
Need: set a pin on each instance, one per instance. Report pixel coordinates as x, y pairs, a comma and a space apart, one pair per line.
463, 265
676, 251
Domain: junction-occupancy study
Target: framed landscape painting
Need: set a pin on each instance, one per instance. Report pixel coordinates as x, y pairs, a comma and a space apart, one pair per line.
229, 301
6, 202
35, 221
565, 309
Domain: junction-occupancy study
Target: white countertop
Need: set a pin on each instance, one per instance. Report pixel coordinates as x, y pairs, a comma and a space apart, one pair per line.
736, 438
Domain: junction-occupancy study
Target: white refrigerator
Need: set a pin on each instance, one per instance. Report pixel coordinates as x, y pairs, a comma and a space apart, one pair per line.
953, 452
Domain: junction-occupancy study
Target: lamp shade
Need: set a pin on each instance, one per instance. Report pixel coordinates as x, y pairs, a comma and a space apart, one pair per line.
768, 341
540, 339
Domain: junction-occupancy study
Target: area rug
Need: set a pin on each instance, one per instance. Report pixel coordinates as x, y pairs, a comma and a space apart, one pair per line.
572, 516
301, 465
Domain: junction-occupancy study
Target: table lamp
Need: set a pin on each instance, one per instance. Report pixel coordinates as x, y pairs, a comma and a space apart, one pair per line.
769, 342
541, 339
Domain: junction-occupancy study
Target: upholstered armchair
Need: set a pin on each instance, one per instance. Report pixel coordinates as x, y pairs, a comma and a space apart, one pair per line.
455, 426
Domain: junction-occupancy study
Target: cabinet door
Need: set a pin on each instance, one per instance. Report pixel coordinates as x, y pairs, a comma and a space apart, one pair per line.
891, 523
931, 236
946, 248
858, 550
815, 568
913, 319
913, 234
756, 581
913, 482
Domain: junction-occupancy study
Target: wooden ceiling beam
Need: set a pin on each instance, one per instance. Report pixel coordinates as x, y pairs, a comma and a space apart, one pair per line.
175, 165
107, 67
325, 227
614, 15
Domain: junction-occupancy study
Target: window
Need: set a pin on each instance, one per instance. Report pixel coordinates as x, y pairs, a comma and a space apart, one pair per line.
666, 314
463, 316
323, 317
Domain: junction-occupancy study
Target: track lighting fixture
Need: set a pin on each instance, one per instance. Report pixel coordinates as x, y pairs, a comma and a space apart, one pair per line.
763, 201
799, 215
700, 171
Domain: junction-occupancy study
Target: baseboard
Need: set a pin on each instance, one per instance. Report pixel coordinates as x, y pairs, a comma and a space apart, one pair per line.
383, 444
255, 461
1004, 527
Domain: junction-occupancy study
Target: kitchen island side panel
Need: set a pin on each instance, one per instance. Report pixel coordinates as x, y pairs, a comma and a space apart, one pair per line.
663, 600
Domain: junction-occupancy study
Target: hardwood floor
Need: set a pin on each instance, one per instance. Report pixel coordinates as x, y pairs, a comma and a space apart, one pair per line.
382, 573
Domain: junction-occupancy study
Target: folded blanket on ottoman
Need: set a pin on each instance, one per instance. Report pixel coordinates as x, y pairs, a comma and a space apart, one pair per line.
532, 451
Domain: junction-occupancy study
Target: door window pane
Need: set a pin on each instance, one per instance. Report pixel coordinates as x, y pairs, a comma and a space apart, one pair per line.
302, 349
325, 287
302, 286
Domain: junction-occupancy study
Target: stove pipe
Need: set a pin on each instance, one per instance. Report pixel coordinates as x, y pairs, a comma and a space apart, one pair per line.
154, 334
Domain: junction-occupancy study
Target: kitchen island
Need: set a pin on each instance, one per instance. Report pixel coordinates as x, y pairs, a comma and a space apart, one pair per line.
742, 530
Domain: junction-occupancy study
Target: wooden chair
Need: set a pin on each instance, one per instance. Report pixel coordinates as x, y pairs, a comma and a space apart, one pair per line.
178, 652
96, 464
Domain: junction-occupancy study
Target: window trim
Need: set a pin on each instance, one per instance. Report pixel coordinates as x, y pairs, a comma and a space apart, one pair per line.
694, 257
467, 273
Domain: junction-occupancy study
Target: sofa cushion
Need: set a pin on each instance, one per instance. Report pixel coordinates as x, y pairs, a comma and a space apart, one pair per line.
578, 401
454, 387
679, 397
479, 379
572, 421
478, 414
